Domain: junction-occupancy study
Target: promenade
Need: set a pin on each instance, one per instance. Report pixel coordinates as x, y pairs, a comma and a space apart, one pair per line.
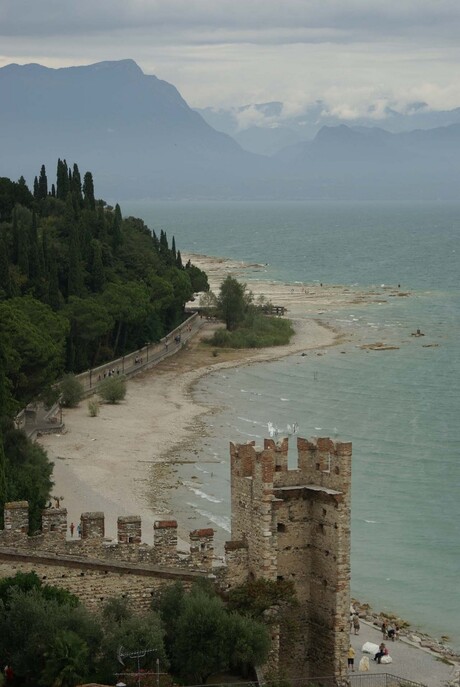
410, 661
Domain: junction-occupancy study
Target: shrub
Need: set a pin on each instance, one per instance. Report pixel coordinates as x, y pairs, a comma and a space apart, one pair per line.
257, 331
93, 407
112, 389
71, 391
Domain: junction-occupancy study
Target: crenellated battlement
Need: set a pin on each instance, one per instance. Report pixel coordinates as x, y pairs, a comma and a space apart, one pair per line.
92, 543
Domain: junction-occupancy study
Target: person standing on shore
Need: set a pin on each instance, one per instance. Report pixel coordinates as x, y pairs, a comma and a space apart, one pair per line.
351, 659
356, 625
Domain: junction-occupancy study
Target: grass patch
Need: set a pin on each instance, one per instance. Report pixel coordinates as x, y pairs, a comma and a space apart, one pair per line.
256, 331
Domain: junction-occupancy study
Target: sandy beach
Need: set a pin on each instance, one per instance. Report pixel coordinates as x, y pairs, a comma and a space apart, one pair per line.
122, 462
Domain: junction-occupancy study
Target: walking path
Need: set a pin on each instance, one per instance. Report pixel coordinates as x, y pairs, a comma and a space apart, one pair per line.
410, 661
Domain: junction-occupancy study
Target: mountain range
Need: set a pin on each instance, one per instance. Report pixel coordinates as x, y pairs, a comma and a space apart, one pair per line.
140, 139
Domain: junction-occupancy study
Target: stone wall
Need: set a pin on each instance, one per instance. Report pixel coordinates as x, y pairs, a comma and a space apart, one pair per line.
295, 525
94, 568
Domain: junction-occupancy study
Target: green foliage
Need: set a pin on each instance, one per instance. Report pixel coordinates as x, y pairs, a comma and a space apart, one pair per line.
256, 331
198, 278
254, 597
71, 391
30, 624
133, 634
28, 474
34, 339
93, 407
203, 638
66, 661
232, 302
112, 389
116, 611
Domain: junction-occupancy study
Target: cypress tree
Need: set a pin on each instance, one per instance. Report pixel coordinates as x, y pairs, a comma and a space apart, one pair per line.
53, 191
62, 180
54, 295
20, 242
117, 237
88, 191
179, 264
42, 183
36, 189
173, 249
75, 274
76, 185
97, 267
35, 273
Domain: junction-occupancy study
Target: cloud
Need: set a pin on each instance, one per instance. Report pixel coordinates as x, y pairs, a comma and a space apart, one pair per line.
351, 54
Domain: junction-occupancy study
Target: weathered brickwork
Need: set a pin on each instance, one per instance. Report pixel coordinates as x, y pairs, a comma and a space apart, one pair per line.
291, 524
295, 525
94, 568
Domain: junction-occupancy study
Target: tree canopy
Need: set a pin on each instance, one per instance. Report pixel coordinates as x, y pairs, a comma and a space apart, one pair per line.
79, 285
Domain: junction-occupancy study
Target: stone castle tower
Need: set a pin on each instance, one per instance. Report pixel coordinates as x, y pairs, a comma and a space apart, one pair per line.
294, 524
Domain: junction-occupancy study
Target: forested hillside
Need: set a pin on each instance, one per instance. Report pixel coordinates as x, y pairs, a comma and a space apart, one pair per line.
79, 285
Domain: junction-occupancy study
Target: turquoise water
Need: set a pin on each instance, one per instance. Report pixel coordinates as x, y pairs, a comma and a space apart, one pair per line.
400, 408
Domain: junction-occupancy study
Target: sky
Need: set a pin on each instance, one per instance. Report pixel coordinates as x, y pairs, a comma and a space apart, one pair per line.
356, 56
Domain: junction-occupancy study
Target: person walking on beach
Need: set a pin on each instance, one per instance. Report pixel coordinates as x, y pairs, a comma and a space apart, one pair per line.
351, 659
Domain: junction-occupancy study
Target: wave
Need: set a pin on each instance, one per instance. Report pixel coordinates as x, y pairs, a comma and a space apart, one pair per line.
202, 494
197, 467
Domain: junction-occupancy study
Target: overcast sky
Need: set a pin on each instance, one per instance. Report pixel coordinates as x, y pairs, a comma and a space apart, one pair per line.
349, 53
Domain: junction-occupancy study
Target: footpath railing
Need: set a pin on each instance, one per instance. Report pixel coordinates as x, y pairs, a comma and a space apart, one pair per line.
350, 680
142, 359
35, 419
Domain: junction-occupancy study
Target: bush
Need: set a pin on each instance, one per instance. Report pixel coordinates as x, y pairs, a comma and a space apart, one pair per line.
112, 389
93, 407
257, 331
71, 391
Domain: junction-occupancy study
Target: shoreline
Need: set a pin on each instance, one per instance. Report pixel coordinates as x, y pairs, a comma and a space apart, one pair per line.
123, 462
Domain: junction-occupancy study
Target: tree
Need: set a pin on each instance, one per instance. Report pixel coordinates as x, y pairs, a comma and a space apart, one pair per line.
88, 191
42, 184
62, 180
112, 389
232, 302
66, 661
207, 639
71, 390
34, 339
30, 624
28, 474
133, 634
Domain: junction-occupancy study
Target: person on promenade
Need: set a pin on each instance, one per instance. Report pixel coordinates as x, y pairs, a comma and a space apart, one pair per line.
391, 633
356, 624
383, 651
384, 629
351, 659
72, 527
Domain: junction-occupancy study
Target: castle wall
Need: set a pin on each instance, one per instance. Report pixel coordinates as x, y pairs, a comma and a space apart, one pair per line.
95, 569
